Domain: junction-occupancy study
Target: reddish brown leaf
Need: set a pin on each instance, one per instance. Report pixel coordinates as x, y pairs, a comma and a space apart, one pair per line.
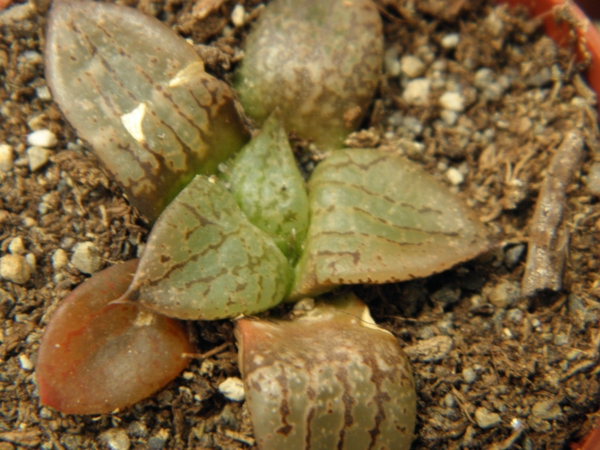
97, 357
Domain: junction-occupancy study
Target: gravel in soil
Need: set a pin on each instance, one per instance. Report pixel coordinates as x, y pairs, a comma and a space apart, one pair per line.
475, 93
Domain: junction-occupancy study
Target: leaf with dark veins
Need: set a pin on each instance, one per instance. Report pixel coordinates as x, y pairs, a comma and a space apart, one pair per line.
378, 218
205, 261
139, 94
329, 378
95, 357
267, 185
318, 61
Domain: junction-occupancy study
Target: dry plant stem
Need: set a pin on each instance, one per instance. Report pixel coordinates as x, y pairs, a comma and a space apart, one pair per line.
549, 234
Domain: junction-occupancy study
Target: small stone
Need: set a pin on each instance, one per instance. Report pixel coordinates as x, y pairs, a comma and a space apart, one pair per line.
593, 178
503, 294
452, 101
43, 93
238, 16
513, 255
469, 375
450, 41
159, 440
454, 176
59, 259
6, 158
484, 77
430, 350
25, 362
544, 76
515, 315
14, 268
31, 261
37, 157
42, 138
449, 117
412, 66
137, 429
487, 419
393, 67
86, 257
561, 339
449, 400
494, 24
45, 413
115, 439
417, 92
546, 409
446, 296
233, 389
16, 246
29, 222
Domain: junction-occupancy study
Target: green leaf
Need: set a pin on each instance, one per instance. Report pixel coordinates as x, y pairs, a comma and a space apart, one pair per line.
139, 94
269, 189
204, 260
329, 378
378, 218
96, 357
318, 61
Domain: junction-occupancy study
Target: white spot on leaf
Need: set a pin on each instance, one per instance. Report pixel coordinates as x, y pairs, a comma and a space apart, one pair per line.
132, 122
185, 75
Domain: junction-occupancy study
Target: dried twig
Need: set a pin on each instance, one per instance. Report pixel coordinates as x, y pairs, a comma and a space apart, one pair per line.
208, 354
549, 235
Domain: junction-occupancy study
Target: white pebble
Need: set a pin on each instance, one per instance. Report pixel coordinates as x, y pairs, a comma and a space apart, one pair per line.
487, 419
25, 362
14, 268
450, 41
233, 389
16, 246
43, 92
449, 117
417, 92
31, 261
238, 16
59, 259
594, 179
412, 66
392, 65
115, 439
6, 157
454, 176
86, 257
42, 138
37, 157
452, 101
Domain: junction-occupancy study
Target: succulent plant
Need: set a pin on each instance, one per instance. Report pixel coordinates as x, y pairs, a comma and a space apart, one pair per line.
97, 356
235, 231
318, 61
139, 94
329, 378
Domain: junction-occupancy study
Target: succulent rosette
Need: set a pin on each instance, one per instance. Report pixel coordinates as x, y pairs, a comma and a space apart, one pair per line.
237, 230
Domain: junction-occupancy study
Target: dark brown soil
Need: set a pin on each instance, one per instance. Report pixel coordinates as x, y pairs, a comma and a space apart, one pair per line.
479, 350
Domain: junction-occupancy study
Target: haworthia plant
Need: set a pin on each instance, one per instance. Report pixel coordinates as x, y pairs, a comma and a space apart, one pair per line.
139, 94
268, 187
318, 61
329, 379
204, 260
96, 357
378, 218
160, 125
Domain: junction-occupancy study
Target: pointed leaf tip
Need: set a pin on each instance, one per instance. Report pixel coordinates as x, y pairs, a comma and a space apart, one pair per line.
205, 261
378, 218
